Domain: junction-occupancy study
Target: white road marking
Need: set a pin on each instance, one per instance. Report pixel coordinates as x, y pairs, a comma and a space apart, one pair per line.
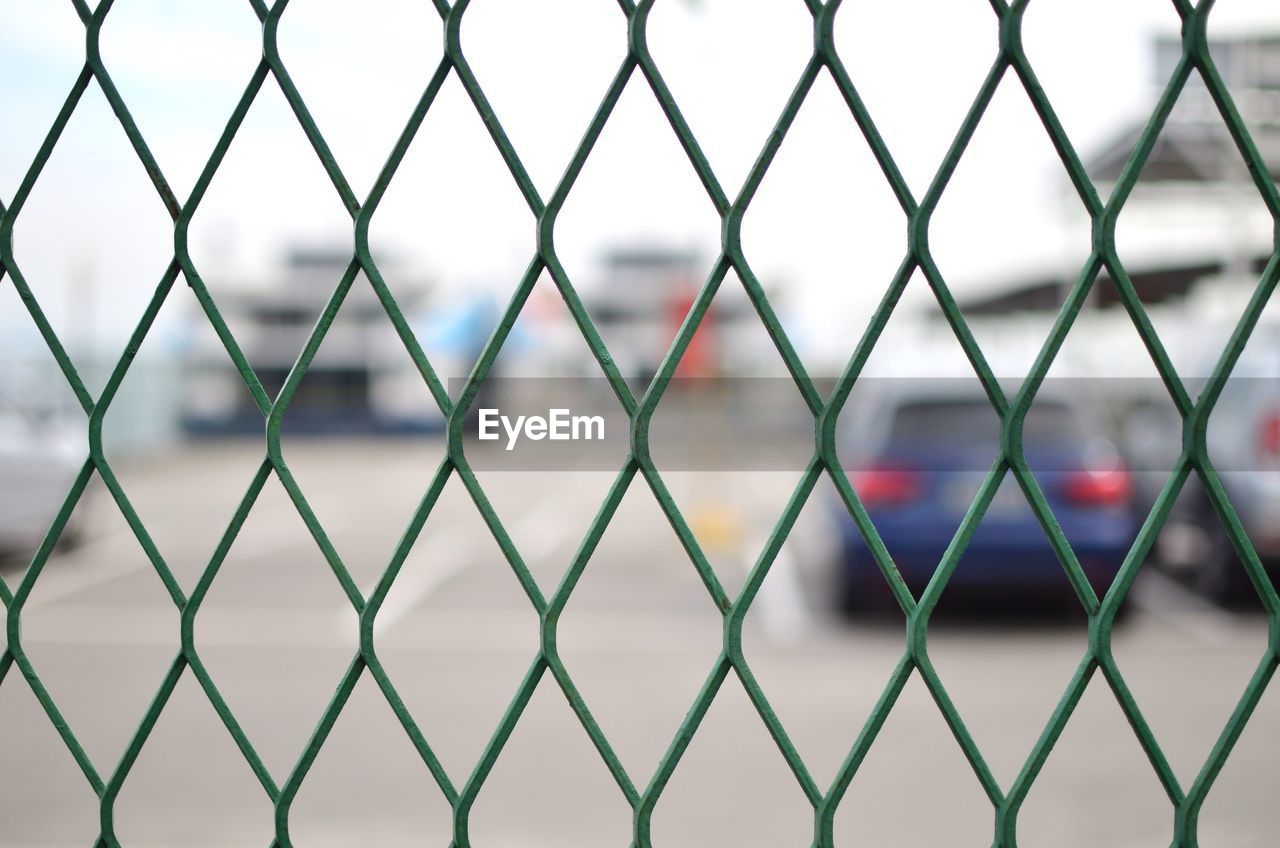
537, 534
1173, 605
93, 565
101, 562
64, 576
784, 610
781, 602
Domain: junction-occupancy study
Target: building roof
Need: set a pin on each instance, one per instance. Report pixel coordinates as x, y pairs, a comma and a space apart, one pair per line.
1152, 285
1194, 159
1186, 152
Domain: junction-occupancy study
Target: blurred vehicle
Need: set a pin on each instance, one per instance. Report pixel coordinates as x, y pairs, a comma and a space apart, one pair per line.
361, 379
642, 295
920, 457
42, 449
1244, 446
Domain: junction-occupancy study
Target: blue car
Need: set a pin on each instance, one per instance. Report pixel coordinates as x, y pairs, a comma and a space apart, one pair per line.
919, 468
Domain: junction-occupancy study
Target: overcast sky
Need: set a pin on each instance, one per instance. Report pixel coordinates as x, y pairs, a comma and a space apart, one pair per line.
823, 225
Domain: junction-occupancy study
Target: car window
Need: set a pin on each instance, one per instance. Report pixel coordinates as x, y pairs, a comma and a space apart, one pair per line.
965, 422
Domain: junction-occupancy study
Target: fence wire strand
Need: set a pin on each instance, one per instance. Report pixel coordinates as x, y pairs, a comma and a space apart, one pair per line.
643, 796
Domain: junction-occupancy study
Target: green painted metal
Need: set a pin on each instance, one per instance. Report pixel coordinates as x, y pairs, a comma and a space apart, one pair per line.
1006, 802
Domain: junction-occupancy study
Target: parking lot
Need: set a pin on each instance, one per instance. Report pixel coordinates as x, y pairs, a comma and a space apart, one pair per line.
639, 636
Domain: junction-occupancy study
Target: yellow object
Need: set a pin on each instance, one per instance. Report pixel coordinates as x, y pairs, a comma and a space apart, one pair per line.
716, 526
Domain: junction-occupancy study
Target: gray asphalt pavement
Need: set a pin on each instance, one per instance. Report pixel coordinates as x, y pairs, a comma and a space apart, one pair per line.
639, 636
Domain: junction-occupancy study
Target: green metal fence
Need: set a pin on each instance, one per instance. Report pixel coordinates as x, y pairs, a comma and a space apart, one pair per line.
643, 792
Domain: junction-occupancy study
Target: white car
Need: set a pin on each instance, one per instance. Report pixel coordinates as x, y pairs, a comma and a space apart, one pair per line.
42, 449
1244, 445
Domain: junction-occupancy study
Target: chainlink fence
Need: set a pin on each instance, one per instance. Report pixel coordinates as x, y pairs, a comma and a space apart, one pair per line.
644, 791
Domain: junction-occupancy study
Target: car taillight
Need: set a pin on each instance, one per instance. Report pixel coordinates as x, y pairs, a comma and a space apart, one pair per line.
1099, 488
886, 486
1269, 435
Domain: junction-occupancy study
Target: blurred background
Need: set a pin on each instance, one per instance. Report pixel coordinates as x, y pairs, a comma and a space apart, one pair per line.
638, 237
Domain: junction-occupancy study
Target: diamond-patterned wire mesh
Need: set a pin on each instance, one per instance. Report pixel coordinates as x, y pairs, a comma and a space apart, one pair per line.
461, 791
